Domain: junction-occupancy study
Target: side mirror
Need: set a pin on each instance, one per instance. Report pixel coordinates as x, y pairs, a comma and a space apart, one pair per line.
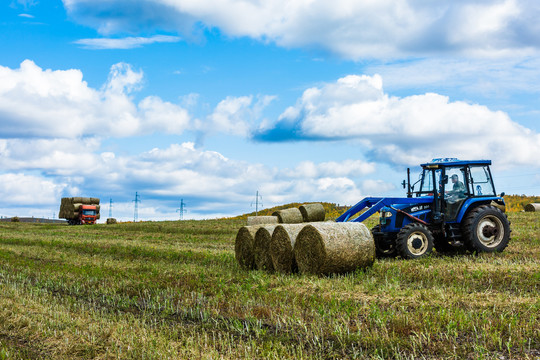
404, 184
445, 179
502, 194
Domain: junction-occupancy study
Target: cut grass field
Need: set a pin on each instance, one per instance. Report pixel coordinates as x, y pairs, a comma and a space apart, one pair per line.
173, 290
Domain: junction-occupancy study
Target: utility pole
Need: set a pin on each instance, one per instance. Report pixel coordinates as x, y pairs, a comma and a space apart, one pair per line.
136, 209
110, 206
257, 203
182, 209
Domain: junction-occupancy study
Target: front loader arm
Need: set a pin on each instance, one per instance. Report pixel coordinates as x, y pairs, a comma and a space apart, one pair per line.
376, 203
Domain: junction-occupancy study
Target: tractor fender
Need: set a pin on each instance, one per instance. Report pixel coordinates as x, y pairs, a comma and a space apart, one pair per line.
470, 204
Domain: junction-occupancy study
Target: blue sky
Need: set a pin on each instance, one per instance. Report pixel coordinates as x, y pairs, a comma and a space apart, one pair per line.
211, 101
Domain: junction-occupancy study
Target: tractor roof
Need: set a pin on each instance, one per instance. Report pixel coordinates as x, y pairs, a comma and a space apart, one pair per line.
455, 162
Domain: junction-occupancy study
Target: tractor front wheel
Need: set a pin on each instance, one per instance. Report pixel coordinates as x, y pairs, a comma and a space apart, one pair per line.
414, 241
486, 229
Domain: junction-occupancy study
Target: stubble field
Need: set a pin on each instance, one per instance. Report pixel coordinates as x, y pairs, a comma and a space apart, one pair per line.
158, 290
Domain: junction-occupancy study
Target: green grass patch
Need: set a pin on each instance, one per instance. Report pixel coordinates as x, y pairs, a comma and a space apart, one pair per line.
173, 290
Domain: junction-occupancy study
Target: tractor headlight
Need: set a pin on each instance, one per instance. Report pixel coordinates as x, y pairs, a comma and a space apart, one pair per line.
387, 214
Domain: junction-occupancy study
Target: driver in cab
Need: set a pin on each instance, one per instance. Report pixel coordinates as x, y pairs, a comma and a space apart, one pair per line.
458, 189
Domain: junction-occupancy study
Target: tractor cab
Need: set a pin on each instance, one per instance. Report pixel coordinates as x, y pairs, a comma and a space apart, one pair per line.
455, 185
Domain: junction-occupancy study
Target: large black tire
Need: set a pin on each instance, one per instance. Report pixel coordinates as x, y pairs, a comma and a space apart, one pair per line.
414, 241
486, 229
384, 248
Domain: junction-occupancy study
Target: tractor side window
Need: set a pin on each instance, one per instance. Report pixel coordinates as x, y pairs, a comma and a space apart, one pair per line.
481, 181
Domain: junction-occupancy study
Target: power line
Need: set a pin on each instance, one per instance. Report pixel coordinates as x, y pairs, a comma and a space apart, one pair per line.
110, 207
136, 208
518, 175
257, 197
181, 209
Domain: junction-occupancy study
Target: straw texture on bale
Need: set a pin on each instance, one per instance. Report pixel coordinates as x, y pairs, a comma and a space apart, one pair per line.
259, 220
281, 247
243, 246
532, 207
111, 221
289, 216
261, 248
325, 248
312, 212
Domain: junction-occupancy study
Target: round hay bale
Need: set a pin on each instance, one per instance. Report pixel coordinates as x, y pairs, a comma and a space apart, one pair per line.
498, 206
111, 221
74, 200
312, 212
289, 216
261, 246
281, 247
334, 248
243, 246
261, 220
94, 201
532, 207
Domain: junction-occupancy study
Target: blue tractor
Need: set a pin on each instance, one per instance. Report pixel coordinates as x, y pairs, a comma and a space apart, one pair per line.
454, 207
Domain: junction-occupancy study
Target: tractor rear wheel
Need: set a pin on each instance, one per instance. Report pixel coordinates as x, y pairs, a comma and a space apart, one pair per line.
414, 241
486, 229
384, 247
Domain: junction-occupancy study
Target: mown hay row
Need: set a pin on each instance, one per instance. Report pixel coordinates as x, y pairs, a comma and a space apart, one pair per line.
312, 212
289, 216
261, 220
261, 247
243, 246
281, 247
334, 248
532, 207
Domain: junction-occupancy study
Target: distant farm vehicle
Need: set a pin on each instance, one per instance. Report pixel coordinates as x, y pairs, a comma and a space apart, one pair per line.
79, 210
455, 207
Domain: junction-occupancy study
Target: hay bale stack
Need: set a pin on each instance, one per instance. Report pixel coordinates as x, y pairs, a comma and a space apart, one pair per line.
261, 220
243, 246
289, 216
334, 248
69, 207
111, 221
281, 247
261, 248
312, 212
532, 207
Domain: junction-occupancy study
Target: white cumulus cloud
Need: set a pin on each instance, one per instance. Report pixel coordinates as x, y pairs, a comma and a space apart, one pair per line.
406, 130
352, 29
60, 104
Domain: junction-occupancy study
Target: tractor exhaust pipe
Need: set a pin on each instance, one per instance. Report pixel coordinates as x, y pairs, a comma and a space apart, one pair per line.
409, 193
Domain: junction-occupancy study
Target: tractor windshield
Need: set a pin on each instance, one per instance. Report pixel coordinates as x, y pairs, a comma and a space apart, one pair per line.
430, 180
